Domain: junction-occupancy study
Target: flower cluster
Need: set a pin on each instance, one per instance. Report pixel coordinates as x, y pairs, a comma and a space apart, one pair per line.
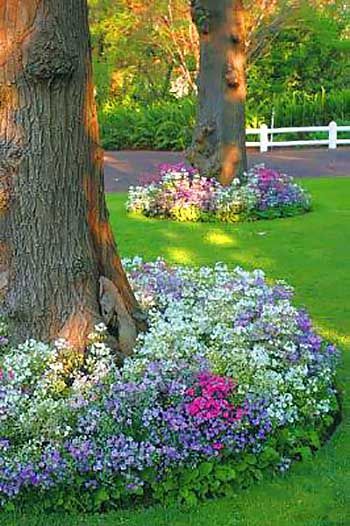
3, 335
275, 189
173, 416
243, 327
209, 398
181, 193
229, 380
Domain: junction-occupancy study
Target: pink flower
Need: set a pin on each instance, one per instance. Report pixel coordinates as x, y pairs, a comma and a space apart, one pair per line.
239, 413
210, 399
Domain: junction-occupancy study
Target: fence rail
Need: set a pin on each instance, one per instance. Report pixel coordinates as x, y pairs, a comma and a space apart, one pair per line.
267, 134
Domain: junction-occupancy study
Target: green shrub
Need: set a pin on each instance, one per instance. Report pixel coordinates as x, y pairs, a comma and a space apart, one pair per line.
168, 125
312, 110
164, 125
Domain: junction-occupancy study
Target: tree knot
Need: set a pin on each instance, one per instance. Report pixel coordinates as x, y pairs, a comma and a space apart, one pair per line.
11, 154
48, 56
231, 76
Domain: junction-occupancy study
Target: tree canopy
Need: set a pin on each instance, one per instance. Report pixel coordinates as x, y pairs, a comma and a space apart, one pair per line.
147, 51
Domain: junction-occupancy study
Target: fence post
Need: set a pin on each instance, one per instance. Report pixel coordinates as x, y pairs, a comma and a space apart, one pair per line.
272, 125
332, 135
264, 138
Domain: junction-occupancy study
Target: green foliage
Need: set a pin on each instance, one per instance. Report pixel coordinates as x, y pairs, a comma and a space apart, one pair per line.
309, 55
300, 48
168, 125
281, 211
162, 126
185, 486
309, 252
137, 46
301, 68
312, 110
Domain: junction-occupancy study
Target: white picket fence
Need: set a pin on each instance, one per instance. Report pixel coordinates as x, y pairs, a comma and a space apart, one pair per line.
266, 136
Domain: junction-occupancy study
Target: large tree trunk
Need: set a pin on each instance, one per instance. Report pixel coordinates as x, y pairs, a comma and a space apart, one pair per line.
218, 147
60, 273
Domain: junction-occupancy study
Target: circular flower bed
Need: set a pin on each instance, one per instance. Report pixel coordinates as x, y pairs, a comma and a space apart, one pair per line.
230, 382
180, 193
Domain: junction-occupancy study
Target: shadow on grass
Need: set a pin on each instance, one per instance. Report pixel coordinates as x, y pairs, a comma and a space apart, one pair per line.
312, 253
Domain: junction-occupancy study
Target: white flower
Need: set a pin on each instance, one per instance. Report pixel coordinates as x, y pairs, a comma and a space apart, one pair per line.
100, 328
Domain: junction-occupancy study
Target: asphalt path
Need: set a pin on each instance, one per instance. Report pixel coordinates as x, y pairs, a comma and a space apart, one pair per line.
123, 168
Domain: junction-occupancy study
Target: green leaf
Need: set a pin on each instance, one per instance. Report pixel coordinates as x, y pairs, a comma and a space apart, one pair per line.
101, 496
305, 452
314, 439
205, 468
190, 475
169, 484
270, 455
189, 497
225, 473
242, 466
250, 459
9, 507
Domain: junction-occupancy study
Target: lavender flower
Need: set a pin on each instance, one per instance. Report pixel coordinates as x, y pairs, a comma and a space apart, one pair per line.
181, 193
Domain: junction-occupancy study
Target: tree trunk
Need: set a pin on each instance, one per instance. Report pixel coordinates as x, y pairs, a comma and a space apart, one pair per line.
60, 273
218, 146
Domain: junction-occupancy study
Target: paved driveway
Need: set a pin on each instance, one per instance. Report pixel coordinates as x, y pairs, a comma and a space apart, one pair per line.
123, 168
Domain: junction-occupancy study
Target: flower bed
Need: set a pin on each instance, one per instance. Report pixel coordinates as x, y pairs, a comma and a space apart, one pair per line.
230, 383
180, 193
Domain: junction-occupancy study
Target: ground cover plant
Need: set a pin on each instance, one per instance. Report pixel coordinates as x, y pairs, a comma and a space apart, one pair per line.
317, 491
168, 124
229, 381
181, 193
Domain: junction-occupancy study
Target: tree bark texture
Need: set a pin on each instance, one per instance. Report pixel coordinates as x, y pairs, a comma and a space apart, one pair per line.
57, 250
218, 146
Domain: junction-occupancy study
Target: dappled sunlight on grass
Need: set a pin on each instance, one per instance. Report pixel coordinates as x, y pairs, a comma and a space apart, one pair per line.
180, 255
312, 253
171, 235
133, 216
216, 237
340, 339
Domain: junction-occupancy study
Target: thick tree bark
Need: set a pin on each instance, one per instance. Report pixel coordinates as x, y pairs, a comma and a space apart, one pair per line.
218, 147
60, 273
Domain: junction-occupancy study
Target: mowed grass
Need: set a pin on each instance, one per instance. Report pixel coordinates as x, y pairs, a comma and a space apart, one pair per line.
311, 252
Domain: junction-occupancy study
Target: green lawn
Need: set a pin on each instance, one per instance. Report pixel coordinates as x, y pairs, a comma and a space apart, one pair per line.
312, 252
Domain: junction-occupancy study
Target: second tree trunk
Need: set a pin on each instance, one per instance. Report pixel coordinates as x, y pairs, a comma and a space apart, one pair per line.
218, 147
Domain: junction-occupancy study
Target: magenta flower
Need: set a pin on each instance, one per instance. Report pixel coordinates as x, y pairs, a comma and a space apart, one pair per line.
218, 446
210, 399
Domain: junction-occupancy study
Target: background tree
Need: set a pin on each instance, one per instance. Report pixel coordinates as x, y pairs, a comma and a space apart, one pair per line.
60, 272
229, 34
136, 43
301, 50
218, 147
148, 101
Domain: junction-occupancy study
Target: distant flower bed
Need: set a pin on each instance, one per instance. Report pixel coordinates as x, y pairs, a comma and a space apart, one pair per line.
180, 193
229, 383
